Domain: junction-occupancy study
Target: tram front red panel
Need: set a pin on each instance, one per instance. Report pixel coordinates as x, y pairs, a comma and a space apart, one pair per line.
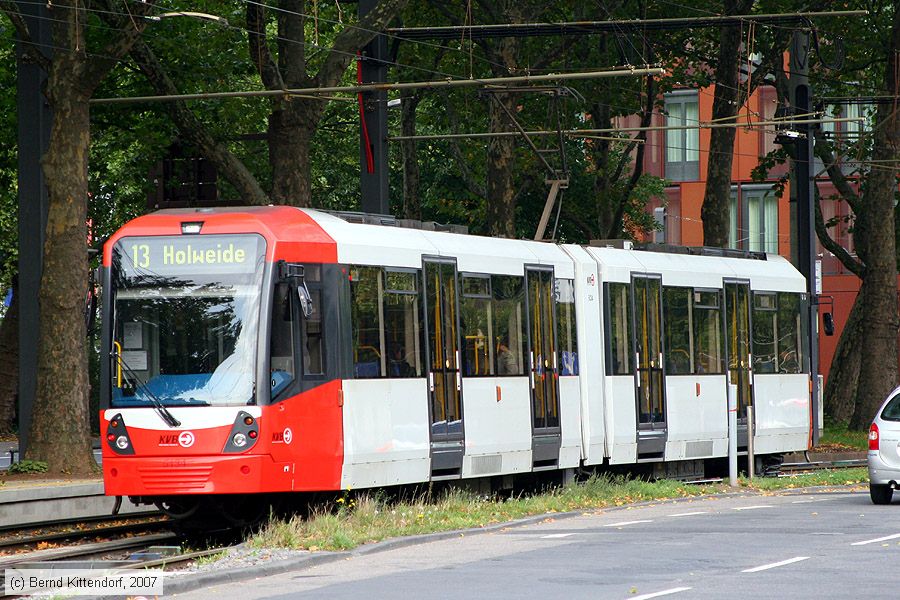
301, 448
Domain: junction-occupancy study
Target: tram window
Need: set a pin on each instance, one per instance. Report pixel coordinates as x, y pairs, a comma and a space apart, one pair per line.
707, 332
312, 273
565, 316
764, 332
620, 344
365, 310
476, 326
282, 339
312, 336
678, 328
400, 281
402, 342
789, 334
508, 308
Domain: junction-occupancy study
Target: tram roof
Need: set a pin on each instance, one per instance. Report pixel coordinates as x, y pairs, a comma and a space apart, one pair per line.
773, 272
361, 243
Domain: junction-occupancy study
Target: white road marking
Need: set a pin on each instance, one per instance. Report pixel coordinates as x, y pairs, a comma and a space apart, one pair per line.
752, 507
876, 540
556, 535
627, 523
658, 594
809, 501
778, 564
690, 514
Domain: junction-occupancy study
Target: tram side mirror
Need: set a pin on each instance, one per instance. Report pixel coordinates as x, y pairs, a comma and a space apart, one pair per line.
306, 306
294, 273
828, 323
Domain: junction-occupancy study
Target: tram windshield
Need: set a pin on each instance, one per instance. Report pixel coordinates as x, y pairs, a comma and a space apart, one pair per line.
185, 319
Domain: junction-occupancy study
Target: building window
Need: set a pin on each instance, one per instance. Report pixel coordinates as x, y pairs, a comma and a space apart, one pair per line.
754, 219
847, 133
682, 145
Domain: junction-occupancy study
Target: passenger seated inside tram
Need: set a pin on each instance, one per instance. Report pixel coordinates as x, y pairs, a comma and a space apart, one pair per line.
506, 360
399, 366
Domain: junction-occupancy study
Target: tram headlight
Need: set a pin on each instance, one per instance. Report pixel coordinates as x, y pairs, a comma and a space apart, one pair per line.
239, 440
122, 442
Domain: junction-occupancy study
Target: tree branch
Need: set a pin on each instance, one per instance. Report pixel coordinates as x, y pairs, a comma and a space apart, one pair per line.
476, 188
29, 49
130, 30
353, 38
824, 153
259, 47
194, 131
646, 118
586, 230
853, 265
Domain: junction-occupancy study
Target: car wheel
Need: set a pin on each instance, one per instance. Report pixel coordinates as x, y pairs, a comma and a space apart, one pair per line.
881, 494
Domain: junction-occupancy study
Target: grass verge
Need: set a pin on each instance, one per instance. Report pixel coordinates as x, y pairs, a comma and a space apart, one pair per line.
837, 436
361, 519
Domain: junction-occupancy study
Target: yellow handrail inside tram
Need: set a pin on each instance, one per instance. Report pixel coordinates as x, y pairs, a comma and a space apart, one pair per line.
118, 347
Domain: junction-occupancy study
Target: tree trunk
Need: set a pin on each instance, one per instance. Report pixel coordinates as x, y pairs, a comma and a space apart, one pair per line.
843, 376
501, 206
291, 127
726, 102
9, 362
412, 205
60, 428
878, 294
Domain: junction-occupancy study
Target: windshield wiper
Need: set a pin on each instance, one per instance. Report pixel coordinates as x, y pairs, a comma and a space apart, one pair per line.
163, 412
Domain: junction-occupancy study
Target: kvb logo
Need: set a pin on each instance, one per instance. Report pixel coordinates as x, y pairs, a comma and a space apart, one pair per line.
186, 439
283, 437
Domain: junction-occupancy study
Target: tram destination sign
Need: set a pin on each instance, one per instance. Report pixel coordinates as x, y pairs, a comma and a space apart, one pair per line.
189, 254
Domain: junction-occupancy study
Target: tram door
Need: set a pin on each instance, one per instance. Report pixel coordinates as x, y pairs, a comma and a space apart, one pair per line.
444, 382
649, 373
543, 374
737, 348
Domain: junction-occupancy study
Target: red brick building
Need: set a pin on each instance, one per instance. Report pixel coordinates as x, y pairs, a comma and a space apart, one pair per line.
760, 220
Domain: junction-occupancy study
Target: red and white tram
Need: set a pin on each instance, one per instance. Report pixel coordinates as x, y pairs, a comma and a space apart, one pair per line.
276, 349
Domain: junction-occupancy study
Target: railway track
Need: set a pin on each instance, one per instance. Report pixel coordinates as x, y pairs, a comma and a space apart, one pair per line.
13, 541
798, 468
121, 548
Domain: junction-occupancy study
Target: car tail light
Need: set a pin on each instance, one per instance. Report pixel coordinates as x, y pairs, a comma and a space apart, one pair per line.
873, 437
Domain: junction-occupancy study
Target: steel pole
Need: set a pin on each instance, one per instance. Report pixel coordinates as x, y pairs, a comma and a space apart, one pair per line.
803, 185
732, 434
34, 122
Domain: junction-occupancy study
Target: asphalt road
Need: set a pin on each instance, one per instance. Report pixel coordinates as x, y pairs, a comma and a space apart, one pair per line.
804, 545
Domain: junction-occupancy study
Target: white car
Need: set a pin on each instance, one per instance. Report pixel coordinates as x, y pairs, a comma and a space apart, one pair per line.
884, 450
